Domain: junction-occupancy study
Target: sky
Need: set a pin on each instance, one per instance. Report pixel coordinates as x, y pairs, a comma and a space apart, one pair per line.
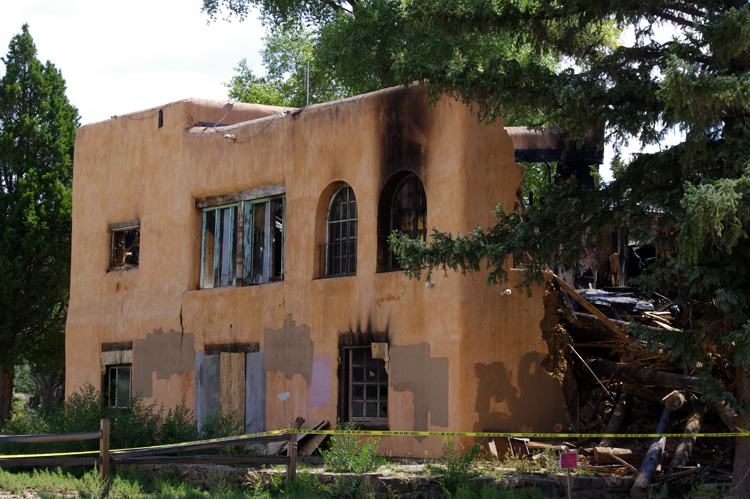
122, 57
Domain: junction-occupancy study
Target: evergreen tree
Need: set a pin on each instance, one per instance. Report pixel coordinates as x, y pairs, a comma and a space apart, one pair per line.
691, 201
37, 133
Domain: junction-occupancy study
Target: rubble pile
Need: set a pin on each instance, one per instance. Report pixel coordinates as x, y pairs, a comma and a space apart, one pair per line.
613, 384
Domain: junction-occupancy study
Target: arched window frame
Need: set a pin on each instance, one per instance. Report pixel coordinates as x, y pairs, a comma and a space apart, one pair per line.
417, 214
341, 234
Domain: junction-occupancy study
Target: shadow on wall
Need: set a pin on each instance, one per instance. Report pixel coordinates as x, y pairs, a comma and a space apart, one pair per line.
501, 406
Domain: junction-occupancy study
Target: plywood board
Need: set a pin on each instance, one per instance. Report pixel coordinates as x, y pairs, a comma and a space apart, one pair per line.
232, 384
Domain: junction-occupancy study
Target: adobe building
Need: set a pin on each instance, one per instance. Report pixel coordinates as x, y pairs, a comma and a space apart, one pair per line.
235, 256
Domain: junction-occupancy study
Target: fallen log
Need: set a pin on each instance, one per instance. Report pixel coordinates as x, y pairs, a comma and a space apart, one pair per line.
675, 400
650, 377
685, 447
727, 415
653, 458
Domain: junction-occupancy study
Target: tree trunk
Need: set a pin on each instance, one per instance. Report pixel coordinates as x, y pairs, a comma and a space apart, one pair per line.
741, 472
6, 393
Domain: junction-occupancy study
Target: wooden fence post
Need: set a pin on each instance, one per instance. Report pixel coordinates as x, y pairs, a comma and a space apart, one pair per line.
104, 450
291, 469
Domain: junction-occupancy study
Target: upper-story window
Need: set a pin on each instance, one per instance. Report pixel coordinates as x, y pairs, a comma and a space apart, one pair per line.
218, 246
243, 237
125, 245
264, 241
408, 212
341, 248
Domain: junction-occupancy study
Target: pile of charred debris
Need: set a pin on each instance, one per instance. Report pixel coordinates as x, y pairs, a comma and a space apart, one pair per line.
614, 385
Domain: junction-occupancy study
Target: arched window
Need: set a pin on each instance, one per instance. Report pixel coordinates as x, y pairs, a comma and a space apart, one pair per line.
341, 249
408, 212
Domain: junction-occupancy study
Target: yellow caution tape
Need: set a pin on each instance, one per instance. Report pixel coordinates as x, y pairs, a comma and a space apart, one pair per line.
514, 434
385, 433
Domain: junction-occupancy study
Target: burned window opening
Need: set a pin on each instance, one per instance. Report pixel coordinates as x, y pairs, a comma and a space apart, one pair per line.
218, 256
264, 222
408, 213
364, 386
125, 245
243, 243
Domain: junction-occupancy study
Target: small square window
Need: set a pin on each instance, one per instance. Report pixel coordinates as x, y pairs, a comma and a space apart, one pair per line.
117, 386
125, 246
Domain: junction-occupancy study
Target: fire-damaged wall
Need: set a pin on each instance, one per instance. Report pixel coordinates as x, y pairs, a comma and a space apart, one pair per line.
244, 297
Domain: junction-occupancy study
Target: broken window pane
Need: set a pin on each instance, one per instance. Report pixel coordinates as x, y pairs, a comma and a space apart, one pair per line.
366, 385
264, 241
125, 248
218, 248
409, 212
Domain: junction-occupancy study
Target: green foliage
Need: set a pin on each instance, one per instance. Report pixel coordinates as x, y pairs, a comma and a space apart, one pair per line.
455, 468
347, 455
691, 201
287, 55
37, 133
139, 425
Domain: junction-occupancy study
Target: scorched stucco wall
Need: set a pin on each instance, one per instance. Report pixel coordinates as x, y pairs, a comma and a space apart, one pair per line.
462, 356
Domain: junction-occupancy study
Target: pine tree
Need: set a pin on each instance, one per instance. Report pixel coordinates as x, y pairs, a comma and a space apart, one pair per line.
37, 133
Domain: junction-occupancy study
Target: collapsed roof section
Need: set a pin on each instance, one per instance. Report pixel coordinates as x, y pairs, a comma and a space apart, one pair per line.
551, 144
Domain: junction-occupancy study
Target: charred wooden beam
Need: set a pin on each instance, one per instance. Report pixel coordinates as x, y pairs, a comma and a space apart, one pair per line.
685, 447
651, 377
653, 458
617, 418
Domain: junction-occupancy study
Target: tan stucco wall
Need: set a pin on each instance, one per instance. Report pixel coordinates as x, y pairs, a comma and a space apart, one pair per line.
486, 347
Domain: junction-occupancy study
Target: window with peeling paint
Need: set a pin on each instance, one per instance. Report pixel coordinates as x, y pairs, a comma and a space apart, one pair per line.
118, 386
125, 245
243, 243
218, 247
263, 259
341, 248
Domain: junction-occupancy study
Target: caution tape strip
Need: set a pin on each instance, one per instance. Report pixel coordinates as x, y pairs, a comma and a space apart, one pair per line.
385, 433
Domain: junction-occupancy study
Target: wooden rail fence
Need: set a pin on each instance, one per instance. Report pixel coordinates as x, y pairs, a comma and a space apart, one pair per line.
150, 455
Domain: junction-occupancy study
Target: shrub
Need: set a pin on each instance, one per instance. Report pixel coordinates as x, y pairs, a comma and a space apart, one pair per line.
139, 425
455, 468
345, 455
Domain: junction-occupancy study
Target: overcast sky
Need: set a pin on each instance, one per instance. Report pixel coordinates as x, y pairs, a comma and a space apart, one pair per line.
121, 57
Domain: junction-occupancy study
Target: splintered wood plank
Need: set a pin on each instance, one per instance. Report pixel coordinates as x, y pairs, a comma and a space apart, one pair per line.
232, 384
595, 311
